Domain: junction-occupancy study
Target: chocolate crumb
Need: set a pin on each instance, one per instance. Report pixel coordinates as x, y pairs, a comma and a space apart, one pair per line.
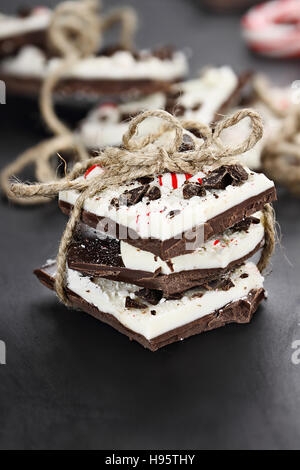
193, 189
133, 303
221, 284
244, 276
172, 214
152, 296
197, 295
153, 312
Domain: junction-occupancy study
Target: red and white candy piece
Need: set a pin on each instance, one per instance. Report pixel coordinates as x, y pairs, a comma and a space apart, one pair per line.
273, 28
173, 180
93, 171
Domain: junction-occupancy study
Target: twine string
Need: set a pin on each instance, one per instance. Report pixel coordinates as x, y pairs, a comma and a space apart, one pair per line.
138, 158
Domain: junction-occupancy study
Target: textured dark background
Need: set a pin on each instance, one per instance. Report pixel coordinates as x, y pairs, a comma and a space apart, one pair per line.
72, 382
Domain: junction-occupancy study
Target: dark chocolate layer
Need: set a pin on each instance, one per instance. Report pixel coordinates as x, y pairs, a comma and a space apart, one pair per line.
174, 247
102, 258
11, 45
240, 311
31, 86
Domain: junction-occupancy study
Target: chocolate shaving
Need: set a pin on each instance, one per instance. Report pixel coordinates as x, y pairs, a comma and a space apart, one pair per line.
133, 303
224, 176
130, 198
151, 296
187, 143
193, 189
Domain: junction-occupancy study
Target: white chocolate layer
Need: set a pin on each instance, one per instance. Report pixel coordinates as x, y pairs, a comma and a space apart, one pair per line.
31, 62
109, 297
11, 26
104, 126
154, 220
218, 252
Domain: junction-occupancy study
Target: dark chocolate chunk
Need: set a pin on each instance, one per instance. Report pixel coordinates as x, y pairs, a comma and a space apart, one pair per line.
187, 143
115, 202
224, 176
145, 179
154, 193
133, 303
130, 197
153, 312
244, 225
193, 189
151, 296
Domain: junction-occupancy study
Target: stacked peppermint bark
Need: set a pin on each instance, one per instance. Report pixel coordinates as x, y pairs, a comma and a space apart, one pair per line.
166, 257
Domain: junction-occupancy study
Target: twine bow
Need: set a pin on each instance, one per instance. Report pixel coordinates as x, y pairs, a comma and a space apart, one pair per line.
144, 157
75, 32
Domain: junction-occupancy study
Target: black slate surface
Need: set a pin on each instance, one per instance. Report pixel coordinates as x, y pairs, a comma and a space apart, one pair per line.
72, 382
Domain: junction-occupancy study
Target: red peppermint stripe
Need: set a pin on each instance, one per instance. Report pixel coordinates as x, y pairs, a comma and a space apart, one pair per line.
91, 169
174, 181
